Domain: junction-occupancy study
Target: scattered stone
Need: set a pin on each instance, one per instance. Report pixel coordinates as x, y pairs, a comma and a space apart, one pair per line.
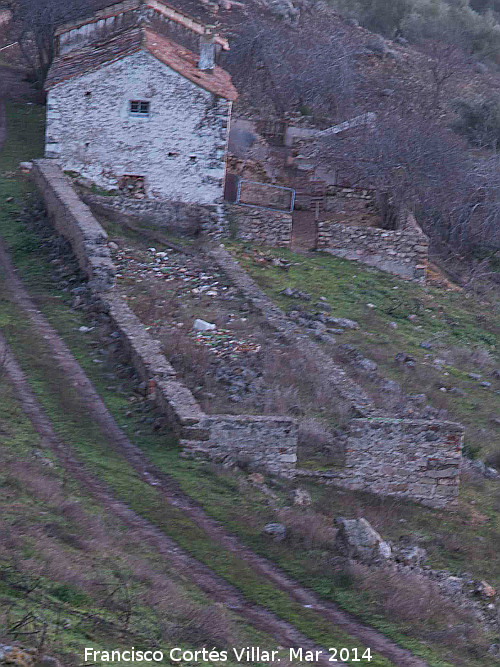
412, 318
201, 325
276, 531
412, 556
457, 391
295, 294
15, 656
393, 325
357, 539
301, 497
475, 376
485, 384
84, 329
343, 322
426, 344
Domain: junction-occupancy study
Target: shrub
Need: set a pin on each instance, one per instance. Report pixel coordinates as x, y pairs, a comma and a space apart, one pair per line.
478, 120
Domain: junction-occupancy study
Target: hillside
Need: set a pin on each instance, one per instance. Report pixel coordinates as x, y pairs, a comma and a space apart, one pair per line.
113, 534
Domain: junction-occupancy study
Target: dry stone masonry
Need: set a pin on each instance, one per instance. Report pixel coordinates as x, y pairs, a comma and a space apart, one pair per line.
417, 459
400, 252
260, 226
401, 457
267, 442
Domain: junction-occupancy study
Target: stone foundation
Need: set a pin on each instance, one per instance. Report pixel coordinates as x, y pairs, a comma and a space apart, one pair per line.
403, 253
261, 226
174, 217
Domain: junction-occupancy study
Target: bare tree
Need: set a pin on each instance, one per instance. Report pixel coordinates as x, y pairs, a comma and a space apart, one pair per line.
302, 67
36, 22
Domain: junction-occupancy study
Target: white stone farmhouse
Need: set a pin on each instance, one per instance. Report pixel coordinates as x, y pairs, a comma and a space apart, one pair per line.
131, 107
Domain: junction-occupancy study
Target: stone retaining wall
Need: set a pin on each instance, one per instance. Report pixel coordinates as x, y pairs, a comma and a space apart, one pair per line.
401, 252
74, 220
170, 216
269, 443
262, 226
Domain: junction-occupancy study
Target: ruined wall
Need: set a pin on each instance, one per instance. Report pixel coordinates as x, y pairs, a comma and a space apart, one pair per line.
269, 443
273, 228
400, 457
171, 216
179, 148
402, 253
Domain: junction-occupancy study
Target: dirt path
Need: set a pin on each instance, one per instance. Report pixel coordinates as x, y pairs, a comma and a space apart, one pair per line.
213, 585
173, 495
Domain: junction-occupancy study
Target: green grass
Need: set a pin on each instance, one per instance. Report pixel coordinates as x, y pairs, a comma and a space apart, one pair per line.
243, 513
450, 319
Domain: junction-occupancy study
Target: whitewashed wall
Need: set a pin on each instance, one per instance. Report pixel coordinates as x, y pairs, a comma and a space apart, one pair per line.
179, 149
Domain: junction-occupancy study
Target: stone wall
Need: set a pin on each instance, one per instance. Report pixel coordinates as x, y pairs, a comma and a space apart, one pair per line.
403, 253
414, 458
266, 442
269, 443
171, 216
179, 147
262, 226
74, 220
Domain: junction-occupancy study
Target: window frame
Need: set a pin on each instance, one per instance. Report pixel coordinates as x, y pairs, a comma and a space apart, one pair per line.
139, 112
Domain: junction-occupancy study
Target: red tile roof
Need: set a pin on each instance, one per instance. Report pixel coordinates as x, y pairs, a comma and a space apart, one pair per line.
91, 57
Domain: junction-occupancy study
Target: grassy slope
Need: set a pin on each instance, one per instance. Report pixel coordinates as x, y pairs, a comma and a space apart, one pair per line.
449, 319
245, 512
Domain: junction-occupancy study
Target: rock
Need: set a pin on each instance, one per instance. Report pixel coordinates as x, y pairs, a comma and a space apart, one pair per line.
84, 182
201, 325
113, 245
475, 376
485, 590
301, 497
276, 531
354, 23
411, 555
402, 41
366, 365
453, 585
387, 92
47, 661
485, 384
457, 391
491, 473
342, 322
15, 656
84, 329
393, 325
26, 166
256, 478
357, 539
295, 294
426, 345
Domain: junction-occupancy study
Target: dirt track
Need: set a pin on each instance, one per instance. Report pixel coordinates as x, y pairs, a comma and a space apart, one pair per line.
206, 579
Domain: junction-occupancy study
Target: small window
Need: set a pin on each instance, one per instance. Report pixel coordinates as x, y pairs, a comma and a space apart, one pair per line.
139, 108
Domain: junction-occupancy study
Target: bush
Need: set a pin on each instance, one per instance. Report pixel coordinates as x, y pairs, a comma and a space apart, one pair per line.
478, 120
